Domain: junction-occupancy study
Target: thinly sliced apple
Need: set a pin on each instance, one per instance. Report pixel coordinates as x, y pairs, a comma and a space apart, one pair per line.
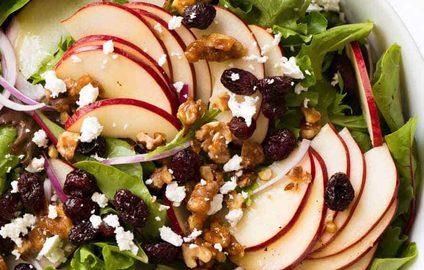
108, 18
182, 70
125, 118
294, 246
272, 223
178, 217
123, 76
125, 46
357, 179
61, 169
201, 68
365, 261
380, 190
354, 253
368, 104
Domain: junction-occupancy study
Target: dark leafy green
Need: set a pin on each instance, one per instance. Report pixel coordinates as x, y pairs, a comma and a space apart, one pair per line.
7, 7
7, 161
120, 148
408, 255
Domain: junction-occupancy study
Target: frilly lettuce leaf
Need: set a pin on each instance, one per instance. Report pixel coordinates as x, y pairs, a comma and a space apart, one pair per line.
408, 255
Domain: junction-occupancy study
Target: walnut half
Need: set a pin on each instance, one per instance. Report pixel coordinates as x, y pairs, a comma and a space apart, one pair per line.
193, 253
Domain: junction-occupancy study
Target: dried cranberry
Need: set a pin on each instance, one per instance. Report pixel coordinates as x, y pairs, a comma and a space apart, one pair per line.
339, 192
79, 209
95, 147
131, 209
10, 205
240, 82
185, 166
279, 145
82, 233
275, 87
6, 246
32, 192
239, 128
199, 15
161, 252
106, 231
24, 266
273, 109
79, 183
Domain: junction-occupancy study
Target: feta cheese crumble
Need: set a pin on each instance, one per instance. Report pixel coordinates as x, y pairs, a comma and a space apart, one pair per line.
299, 88
335, 80
40, 138
163, 207
95, 221
108, 47
305, 102
52, 250
36, 165
168, 235
228, 186
218, 247
193, 235
88, 95
149, 181
275, 42
216, 204
257, 58
175, 193
162, 60
245, 109
233, 164
100, 199
15, 188
290, 68
18, 227
125, 240
55, 85
52, 212
90, 129
112, 221
203, 182
175, 22
178, 86
234, 216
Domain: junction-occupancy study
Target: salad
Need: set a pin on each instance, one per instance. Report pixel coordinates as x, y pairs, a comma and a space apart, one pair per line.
231, 134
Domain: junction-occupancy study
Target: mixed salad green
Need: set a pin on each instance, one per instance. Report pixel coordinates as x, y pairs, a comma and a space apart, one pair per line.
314, 38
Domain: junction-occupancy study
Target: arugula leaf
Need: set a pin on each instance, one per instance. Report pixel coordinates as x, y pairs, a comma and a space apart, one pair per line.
385, 87
120, 148
110, 179
7, 161
7, 7
408, 255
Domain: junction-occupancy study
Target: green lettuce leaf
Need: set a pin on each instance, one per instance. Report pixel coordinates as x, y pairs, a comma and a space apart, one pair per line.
120, 148
385, 87
391, 243
363, 139
110, 179
7, 161
7, 7
408, 255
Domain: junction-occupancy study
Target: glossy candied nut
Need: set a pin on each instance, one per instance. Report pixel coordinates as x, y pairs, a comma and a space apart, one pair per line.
190, 111
199, 15
339, 192
80, 209
96, 147
279, 145
83, 233
31, 189
218, 233
252, 154
193, 255
131, 208
185, 166
160, 177
215, 137
67, 144
160, 252
181, 5
151, 142
239, 81
79, 183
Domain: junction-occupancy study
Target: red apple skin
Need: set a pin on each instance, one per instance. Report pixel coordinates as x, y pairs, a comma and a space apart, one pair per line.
133, 12
169, 92
122, 101
89, 39
375, 121
176, 224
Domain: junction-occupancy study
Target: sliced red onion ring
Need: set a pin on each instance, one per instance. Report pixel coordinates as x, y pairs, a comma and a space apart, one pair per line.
54, 179
145, 157
35, 92
20, 107
16, 93
8, 63
287, 164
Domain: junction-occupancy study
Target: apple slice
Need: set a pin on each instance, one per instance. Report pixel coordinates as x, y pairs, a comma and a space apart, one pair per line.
125, 118
61, 169
272, 223
380, 190
201, 68
123, 76
178, 217
123, 45
352, 254
295, 245
357, 179
369, 106
365, 261
108, 18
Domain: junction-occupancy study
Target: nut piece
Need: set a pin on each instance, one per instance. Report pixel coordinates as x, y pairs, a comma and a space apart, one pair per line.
215, 47
193, 253
3, 265
247, 179
330, 227
190, 111
312, 116
235, 201
235, 249
53, 153
181, 5
160, 176
297, 174
252, 154
218, 233
151, 143
312, 124
265, 174
220, 101
67, 144
215, 137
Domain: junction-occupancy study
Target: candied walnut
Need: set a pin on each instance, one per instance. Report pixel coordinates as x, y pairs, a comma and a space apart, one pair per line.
218, 232
196, 221
160, 177
67, 144
235, 249
181, 5
297, 174
311, 115
196, 146
246, 179
53, 153
312, 123
252, 154
215, 137
151, 143
220, 101
200, 199
235, 200
265, 174
3, 265
190, 111
215, 47
194, 254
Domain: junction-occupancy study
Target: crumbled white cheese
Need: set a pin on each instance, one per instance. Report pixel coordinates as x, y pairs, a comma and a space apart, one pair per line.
203, 182
55, 85
175, 193
193, 235
257, 58
305, 102
75, 59
18, 228
16, 253
175, 22
275, 42
157, 219
218, 247
125, 240
216, 204
112, 221
88, 95
299, 88
108, 47
245, 109
21, 156
95, 221
244, 194
158, 28
235, 76
162, 60
100, 199
335, 80
149, 181
163, 207
52, 250
233, 164
40, 138
154, 198
36, 165
90, 129
14, 185
178, 86
228, 186
52, 212
170, 236
290, 68
234, 216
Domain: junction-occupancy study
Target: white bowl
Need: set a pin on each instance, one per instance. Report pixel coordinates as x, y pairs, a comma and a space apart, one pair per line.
391, 28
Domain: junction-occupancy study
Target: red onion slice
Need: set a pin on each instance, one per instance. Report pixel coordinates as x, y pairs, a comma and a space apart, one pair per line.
16, 93
8, 63
54, 179
35, 92
20, 107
